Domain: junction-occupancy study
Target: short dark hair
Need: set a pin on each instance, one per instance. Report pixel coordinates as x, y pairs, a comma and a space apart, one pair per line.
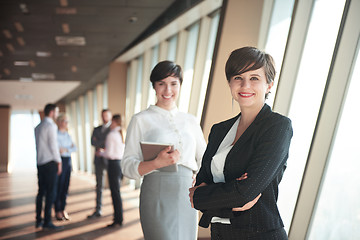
117, 119
48, 108
247, 59
165, 69
105, 110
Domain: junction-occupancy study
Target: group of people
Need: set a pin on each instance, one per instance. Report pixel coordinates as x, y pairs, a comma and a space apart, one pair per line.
233, 179
108, 141
53, 147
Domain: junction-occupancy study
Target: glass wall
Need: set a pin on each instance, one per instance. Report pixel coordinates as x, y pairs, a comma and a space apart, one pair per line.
85, 114
188, 67
309, 89
22, 124
337, 212
277, 37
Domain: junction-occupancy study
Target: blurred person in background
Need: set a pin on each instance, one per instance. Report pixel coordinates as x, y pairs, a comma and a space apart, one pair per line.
114, 151
67, 147
98, 141
48, 164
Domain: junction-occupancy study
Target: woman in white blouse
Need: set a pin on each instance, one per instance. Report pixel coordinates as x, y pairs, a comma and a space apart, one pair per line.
165, 211
114, 151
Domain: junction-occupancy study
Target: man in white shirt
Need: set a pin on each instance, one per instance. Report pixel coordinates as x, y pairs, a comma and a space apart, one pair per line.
48, 165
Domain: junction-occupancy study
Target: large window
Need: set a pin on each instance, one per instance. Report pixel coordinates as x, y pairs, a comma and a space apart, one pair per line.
277, 37
22, 124
306, 100
188, 68
337, 215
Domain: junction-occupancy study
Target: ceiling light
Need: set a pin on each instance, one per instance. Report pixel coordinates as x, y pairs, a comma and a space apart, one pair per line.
43, 54
7, 33
21, 41
63, 3
21, 63
23, 96
133, 19
25, 79
10, 47
7, 71
74, 68
32, 63
65, 28
23, 8
70, 41
19, 27
65, 11
43, 76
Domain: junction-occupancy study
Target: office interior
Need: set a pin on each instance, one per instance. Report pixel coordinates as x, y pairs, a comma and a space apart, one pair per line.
315, 44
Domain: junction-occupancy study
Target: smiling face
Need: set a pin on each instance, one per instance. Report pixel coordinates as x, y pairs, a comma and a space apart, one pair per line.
249, 88
167, 92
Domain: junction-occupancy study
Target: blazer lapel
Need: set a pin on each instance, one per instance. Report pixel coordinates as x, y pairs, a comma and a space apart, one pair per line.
249, 131
219, 135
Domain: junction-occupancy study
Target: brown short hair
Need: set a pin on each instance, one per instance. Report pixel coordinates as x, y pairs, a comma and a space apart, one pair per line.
247, 59
165, 69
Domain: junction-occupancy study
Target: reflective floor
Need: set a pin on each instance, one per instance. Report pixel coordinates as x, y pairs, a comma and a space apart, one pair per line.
17, 210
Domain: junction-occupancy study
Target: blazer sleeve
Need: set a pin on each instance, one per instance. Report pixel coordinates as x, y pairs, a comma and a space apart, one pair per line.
202, 175
95, 138
269, 156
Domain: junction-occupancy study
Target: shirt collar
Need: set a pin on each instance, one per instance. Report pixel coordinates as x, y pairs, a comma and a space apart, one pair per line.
49, 119
107, 124
164, 111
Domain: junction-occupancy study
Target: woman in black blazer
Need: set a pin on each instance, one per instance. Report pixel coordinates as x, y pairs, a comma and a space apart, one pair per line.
255, 143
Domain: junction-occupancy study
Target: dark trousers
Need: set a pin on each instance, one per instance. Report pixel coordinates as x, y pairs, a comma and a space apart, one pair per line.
47, 181
228, 232
100, 167
114, 174
63, 184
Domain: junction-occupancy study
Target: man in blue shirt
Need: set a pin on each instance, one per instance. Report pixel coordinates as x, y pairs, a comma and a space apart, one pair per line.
48, 165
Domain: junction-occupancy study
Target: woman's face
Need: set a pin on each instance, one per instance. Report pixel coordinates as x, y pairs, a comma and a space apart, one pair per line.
63, 123
167, 92
249, 88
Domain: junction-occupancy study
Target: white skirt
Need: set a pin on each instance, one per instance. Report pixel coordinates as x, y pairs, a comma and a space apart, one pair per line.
165, 209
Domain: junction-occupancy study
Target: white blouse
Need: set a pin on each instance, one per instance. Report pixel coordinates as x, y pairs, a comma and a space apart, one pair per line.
218, 162
114, 146
158, 125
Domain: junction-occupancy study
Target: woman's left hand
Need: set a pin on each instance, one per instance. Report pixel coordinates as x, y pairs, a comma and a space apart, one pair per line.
191, 194
248, 205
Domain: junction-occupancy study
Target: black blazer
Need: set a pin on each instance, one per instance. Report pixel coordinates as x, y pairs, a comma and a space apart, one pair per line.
261, 151
98, 138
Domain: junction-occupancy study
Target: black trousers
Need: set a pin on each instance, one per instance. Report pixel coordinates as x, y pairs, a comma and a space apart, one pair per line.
47, 181
100, 167
114, 175
63, 184
221, 231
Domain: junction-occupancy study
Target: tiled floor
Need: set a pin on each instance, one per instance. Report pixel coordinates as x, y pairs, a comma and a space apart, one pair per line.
17, 210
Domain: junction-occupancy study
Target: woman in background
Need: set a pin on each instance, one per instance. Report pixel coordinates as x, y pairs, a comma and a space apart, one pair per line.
114, 151
165, 212
66, 146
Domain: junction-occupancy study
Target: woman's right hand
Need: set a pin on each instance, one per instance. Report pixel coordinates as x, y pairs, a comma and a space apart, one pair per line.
166, 158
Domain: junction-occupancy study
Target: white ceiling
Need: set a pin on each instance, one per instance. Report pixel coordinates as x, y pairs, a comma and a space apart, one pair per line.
33, 95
